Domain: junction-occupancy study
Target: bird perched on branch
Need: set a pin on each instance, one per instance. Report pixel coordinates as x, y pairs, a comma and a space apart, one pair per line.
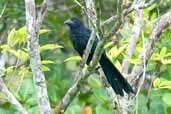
79, 35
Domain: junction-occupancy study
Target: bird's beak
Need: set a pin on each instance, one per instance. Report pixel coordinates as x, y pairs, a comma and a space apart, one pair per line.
68, 22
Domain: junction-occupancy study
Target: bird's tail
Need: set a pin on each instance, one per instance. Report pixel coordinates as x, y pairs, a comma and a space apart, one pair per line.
114, 77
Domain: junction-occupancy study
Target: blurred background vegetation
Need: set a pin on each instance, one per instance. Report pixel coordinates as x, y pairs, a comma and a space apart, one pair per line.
155, 96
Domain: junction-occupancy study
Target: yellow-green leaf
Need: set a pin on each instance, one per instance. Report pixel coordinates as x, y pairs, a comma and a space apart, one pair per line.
73, 58
163, 51
108, 45
11, 37
45, 68
42, 31
4, 48
23, 71
21, 35
134, 61
139, 49
156, 57
168, 55
17, 36
2, 71
165, 87
94, 82
49, 47
166, 62
10, 70
165, 83
23, 55
156, 82
13, 52
47, 62
114, 52
118, 65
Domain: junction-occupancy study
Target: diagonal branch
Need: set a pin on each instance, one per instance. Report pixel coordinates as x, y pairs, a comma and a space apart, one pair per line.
11, 98
71, 93
163, 23
3, 88
133, 39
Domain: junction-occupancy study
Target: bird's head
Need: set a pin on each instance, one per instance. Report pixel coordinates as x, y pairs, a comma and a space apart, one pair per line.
74, 22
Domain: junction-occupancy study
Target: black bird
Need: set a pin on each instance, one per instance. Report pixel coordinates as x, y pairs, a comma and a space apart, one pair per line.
79, 35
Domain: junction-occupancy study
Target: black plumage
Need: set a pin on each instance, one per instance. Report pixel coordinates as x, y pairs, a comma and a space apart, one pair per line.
79, 35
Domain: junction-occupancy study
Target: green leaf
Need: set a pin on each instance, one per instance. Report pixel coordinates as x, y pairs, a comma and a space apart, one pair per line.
23, 55
118, 65
17, 36
10, 70
156, 57
166, 98
45, 68
49, 47
15, 53
165, 87
42, 31
166, 62
108, 45
168, 55
47, 62
11, 37
139, 49
2, 71
114, 52
94, 82
134, 61
73, 58
4, 48
163, 51
156, 82
23, 71
165, 83
21, 35
26, 90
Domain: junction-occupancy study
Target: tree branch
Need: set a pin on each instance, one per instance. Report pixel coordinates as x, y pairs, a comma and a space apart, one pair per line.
71, 93
139, 5
8, 94
163, 23
11, 98
133, 40
33, 27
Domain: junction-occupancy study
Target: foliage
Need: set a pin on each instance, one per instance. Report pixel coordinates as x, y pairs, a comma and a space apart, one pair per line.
59, 60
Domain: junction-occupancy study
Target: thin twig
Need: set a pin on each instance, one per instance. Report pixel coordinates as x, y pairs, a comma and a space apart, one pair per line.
3, 10
11, 98
140, 5
143, 77
3, 88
